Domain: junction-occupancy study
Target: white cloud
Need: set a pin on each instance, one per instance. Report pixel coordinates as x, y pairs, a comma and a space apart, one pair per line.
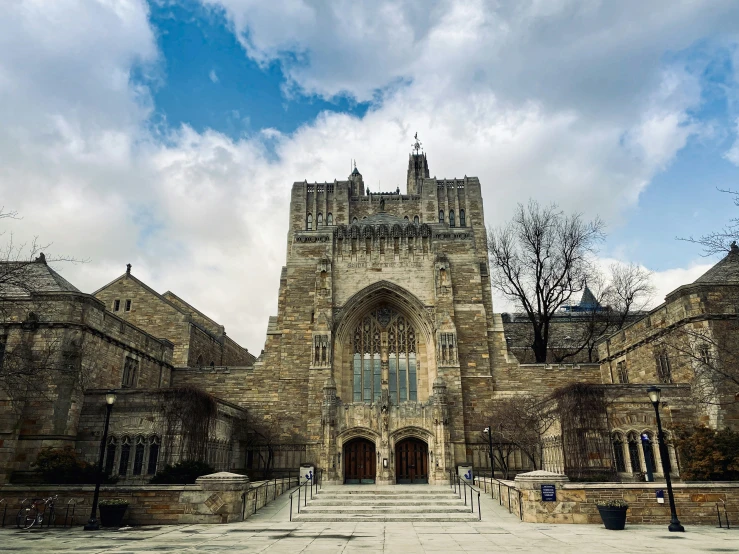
213, 76
545, 99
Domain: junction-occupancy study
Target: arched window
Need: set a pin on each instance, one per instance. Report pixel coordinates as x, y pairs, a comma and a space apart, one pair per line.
462, 220
401, 355
151, 466
354, 220
416, 220
618, 452
125, 456
664, 370
406, 218
441, 216
329, 219
648, 451
110, 455
451, 218
138, 456
319, 219
309, 224
634, 454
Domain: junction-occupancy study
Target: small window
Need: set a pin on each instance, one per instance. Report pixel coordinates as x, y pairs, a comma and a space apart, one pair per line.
623, 374
354, 220
451, 218
128, 305
415, 219
116, 305
151, 467
130, 372
110, 456
125, 455
319, 219
618, 453
329, 217
309, 224
462, 220
664, 371
406, 218
441, 216
138, 456
705, 355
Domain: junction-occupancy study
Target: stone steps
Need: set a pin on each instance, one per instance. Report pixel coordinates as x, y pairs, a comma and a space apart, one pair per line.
402, 503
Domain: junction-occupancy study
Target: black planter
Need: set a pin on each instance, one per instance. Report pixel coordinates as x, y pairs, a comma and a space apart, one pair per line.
112, 515
614, 518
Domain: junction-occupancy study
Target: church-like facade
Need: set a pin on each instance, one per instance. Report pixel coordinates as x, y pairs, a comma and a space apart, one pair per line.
384, 363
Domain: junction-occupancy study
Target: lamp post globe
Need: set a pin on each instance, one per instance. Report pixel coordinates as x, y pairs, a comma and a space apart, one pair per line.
654, 396
93, 524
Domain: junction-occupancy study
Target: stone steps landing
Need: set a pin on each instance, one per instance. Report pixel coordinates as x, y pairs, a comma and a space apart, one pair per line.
385, 504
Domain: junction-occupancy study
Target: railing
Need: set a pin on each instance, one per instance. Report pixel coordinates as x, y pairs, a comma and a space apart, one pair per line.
460, 486
49, 519
726, 515
496, 484
313, 482
262, 491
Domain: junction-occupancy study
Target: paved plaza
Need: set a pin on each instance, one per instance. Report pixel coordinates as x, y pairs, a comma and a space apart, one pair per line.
270, 531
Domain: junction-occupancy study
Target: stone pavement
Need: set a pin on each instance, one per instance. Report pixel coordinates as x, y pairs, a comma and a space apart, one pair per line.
270, 531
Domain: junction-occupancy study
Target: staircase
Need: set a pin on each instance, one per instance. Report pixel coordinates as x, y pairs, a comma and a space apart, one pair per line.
386, 503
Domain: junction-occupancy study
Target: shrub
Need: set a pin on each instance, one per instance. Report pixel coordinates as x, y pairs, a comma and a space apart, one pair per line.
181, 473
708, 455
615, 503
62, 466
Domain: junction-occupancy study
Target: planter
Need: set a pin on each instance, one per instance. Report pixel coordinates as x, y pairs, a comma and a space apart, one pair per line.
112, 515
614, 518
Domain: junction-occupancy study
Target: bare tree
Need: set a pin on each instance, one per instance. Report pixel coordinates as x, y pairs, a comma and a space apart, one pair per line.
719, 241
540, 259
518, 423
623, 293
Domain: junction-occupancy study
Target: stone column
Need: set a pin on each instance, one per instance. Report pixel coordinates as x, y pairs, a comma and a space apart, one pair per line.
219, 495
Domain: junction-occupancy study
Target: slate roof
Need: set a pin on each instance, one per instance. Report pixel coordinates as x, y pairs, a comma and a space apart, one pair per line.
24, 278
725, 271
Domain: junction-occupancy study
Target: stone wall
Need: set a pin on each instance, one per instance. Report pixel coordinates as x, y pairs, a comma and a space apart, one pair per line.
576, 502
217, 498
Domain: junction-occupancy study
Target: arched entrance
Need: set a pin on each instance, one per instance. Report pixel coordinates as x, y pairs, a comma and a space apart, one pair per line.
359, 462
411, 462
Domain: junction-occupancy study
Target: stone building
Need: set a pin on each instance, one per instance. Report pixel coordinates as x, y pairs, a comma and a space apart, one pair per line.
383, 363
198, 340
61, 349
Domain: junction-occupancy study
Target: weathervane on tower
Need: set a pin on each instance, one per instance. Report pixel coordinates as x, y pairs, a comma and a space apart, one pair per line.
416, 145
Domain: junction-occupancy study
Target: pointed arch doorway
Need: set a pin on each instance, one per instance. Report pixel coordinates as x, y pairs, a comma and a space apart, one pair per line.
360, 465
411, 462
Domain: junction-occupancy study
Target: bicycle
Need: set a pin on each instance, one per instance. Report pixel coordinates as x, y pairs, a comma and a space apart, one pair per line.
33, 513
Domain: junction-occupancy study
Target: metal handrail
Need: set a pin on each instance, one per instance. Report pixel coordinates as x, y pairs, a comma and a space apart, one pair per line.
316, 482
460, 482
265, 486
508, 487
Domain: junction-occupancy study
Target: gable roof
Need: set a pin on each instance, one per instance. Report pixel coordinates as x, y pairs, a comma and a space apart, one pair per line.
26, 278
725, 271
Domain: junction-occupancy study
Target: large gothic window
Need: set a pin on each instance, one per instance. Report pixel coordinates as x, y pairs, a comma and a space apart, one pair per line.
400, 351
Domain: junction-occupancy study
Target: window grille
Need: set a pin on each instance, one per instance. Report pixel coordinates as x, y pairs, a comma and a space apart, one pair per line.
664, 371
623, 374
130, 372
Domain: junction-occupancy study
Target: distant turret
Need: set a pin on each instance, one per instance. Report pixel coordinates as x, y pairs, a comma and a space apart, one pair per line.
357, 187
418, 169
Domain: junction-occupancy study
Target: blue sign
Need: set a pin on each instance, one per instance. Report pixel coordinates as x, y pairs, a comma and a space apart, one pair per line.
548, 493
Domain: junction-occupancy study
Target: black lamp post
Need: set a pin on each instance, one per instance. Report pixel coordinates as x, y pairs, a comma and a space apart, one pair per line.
93, 524
654, 393
489, 431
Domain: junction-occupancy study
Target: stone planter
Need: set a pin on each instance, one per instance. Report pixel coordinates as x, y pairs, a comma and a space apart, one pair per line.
614, 518
111, 515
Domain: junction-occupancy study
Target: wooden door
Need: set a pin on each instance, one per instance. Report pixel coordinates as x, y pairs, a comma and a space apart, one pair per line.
411, 462
359, 462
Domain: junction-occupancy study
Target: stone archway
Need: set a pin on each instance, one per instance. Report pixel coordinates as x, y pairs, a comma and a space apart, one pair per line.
359, 462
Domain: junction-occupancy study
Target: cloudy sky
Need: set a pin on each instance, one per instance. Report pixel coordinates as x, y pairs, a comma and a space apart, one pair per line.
167, 134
